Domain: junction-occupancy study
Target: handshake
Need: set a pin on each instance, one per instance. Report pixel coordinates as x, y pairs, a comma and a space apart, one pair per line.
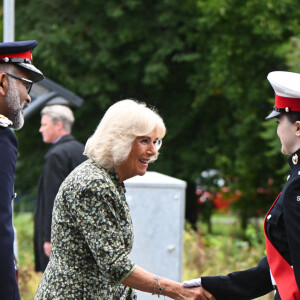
197, 283
192, 282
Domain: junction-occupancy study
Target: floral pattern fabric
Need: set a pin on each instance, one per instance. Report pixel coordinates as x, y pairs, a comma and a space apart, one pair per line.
91, 238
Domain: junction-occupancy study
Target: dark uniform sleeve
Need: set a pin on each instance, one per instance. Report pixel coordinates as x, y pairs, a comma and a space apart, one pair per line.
241, 285
291, 213
8, 155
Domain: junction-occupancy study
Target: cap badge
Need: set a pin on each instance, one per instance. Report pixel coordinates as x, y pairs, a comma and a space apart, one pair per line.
295, 159
5, 122
6, 59
287, 109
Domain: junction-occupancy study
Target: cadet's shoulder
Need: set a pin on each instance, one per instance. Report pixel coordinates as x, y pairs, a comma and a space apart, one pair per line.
295, 176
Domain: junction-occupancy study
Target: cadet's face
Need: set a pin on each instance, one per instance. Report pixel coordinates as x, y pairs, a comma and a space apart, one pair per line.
287, 134
142, 150
17, 99
48, 130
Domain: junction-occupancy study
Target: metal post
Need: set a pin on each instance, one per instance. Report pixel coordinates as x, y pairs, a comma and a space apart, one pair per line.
8, 20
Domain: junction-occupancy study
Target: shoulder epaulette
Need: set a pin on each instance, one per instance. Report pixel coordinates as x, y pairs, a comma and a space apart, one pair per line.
5, 122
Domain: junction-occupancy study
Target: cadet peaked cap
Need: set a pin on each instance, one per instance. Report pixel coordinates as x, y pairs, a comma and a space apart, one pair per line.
19, 53
287, 92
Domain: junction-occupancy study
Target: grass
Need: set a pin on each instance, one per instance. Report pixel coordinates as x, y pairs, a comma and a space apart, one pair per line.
223, 251
28, 278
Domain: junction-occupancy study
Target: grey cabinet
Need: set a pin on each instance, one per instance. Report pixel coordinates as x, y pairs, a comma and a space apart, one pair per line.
157, 204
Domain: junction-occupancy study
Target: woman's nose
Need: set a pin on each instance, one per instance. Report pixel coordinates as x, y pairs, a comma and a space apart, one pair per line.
152, 150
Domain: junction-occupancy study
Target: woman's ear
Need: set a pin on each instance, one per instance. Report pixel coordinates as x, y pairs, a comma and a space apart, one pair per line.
3, 84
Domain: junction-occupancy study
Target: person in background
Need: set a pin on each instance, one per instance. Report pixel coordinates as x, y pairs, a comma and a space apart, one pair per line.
65, 154
280, 269
92, 232
17, 75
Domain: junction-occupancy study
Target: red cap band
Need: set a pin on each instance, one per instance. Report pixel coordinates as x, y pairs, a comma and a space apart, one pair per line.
25, 55
283, 102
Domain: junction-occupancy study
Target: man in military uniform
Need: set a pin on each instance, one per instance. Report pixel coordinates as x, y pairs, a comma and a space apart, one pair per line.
17, 75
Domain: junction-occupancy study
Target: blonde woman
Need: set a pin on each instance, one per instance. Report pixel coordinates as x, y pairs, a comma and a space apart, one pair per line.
92, 231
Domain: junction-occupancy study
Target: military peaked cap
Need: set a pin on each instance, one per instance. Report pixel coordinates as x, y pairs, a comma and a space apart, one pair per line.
19, 53
287, 92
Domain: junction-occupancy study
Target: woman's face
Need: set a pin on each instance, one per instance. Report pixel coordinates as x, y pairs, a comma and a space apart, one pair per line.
288, 134
142, 150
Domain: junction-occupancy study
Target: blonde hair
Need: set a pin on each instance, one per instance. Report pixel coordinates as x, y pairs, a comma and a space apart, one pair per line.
125, 120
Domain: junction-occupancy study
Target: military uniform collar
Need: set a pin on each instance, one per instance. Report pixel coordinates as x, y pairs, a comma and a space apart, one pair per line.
5, 122
294, 159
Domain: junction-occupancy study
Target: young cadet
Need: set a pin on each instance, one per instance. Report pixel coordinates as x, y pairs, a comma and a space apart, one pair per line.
280, 269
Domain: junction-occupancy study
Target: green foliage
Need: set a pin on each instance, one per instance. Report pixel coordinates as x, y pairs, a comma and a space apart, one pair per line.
1, 22
28, 278
226, 250
202, 63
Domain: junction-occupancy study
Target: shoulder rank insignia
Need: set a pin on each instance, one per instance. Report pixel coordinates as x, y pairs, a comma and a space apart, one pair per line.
295, 159
5, 122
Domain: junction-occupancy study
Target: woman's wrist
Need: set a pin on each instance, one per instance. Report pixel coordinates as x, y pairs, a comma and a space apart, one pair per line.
157, 289
172, 289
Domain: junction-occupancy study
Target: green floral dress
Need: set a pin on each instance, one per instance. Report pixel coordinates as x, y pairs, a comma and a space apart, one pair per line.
91, 238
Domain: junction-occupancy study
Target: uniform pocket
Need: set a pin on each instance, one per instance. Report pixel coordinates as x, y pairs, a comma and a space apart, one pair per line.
275, 216
275, 225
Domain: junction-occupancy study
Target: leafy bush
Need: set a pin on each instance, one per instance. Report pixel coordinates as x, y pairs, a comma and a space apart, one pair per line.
28, 278
225, 250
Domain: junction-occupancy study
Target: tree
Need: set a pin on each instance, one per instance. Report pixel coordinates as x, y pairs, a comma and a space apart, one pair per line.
202, 63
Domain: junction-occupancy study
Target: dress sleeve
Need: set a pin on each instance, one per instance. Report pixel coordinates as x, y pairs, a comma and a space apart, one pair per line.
291, 213
98, 222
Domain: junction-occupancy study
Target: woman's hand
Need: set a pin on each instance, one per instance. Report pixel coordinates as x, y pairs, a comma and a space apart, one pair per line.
143, 280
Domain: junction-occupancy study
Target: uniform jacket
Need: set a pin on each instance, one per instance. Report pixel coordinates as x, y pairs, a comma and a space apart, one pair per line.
283, 230
8, 156
60, 160
92, 236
